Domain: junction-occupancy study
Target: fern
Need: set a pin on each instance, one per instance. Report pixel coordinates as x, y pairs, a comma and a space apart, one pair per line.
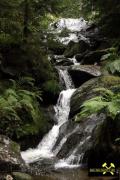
114, 67
108, 101
15, 104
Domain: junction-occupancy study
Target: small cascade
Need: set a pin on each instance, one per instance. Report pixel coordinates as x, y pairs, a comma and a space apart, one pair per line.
74, 61
71, 24
56, 139
74, 27
44, 149
65, 77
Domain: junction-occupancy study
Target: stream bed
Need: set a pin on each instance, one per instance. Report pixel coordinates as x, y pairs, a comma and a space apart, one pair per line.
72, 174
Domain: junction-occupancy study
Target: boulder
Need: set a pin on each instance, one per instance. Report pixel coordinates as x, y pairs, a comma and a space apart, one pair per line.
10, 158
78, 141
31, 141
56, 47
63, 62
80, 56
74, 48
82, 73
93, 57
86, 92
105, 147
21, 176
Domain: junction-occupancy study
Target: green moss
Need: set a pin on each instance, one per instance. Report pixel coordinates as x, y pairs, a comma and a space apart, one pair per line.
86, 91
64, 33
52, 87
56, 46
109, 81
20, 111
14, 147
72, 49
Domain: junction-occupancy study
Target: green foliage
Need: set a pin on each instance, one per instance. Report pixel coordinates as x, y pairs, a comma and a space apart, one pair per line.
20, 111
70, 8
52, 87
64, 33
106, 101
114, 67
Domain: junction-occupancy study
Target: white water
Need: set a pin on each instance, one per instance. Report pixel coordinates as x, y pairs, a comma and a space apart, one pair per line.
69, 161
47, 147
74, 61
44, 149
74, 25
64, 76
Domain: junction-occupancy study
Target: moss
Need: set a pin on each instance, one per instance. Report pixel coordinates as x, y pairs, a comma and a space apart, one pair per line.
109, 81
14, 147
64, 33
56, 46
74, 48
21, 176
51, 90
86, 91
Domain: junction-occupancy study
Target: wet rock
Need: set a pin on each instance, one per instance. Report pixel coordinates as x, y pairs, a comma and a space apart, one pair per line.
56, 47
10, 158
31, 141
86, 92
105, 147
21, 176
63, 62
74, 48
82, 73
80, 142
80, 56
93, 57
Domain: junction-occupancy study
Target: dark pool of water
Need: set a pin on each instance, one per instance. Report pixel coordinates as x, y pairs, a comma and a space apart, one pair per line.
71, 175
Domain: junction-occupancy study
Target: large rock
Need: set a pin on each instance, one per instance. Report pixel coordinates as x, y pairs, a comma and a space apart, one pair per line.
98, 133
10, 158
105, 147
86, 92
82, 73
93, 57
56, 47
74, 48
63, 62
79, 141
21, 176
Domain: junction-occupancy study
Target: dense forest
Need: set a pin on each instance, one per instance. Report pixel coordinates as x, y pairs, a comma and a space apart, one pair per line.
36, 66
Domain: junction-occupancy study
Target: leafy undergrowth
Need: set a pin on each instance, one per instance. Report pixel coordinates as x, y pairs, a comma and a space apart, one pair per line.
20, 112
107, 101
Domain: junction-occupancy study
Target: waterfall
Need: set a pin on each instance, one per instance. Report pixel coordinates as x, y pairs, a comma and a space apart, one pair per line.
55, 140
64, 76
62, 108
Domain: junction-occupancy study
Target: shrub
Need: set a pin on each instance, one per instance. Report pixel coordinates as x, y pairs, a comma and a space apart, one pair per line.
20, 112
107, 101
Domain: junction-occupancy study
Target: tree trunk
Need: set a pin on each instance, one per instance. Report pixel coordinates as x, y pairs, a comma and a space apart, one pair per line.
26, 19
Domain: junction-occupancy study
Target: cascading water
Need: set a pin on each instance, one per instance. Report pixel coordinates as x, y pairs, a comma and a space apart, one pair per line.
54, 142
64, 76
44, 149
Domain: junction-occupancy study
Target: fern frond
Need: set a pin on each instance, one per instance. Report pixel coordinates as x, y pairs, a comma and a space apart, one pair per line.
108, 100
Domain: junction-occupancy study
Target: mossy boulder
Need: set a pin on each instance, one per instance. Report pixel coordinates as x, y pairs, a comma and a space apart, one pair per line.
56, 46
21, 176
86, 92
93, 57
106, 143
74, 48
26, 60
10, 158
82, 73
51, 90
